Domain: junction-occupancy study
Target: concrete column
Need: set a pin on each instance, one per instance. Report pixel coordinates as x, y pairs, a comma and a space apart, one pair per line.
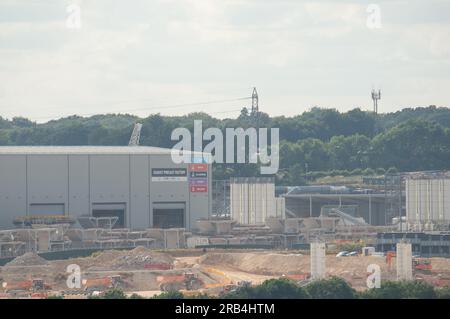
318, 268
404, 261
310, 206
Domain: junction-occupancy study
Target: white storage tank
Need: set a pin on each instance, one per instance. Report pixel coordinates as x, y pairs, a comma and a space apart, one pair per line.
428, 202
252, 199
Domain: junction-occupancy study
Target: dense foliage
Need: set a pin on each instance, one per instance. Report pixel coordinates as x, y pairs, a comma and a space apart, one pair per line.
320, 141
403, 289
270, 289
332, 288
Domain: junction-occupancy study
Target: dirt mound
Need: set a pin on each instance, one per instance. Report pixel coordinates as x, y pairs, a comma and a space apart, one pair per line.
27, 259
136, 258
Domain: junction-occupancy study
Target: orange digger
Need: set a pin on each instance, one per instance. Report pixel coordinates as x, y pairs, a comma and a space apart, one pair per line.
33, 285
104, 283
422, 265
188, 281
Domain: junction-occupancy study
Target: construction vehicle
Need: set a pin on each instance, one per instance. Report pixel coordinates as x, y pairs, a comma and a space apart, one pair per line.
170, 282
244, 283
188, 281
104, 283
192, 282
34, 285
233, 287
389, 256
419, 264
422, 265
228, 288
298, 277
39, 295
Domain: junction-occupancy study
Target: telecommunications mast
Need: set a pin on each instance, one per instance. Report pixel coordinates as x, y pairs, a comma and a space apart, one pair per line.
375, 97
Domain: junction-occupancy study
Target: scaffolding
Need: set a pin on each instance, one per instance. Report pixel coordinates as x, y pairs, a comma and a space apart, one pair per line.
393, 196
88, 222
15, 242
221, 198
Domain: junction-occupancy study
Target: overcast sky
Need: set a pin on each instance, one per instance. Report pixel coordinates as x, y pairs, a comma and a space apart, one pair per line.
156, 56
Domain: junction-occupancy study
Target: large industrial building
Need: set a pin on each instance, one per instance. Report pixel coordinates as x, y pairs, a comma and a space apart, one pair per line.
309, 201
140, 185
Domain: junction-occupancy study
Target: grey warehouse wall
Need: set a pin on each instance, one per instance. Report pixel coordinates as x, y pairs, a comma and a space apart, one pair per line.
77, 181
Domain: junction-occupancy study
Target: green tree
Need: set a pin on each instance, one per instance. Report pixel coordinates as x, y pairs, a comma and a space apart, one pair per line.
170, 295
22, 122
349, 152
280, 289
414, 145
388, 290
333, 288
443, 293
270, 289
400, 290
314, 153
418, 289
114, 294
324, 139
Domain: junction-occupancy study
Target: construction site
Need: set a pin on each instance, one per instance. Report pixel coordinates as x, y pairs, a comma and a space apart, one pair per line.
148, 272
253, 242
78, 221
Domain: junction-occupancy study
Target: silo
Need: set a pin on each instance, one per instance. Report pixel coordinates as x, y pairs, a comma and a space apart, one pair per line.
428, 202
252, 199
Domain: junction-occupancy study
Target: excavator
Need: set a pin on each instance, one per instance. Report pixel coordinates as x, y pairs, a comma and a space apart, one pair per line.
104, 283
188, 281
422, 265
33, 286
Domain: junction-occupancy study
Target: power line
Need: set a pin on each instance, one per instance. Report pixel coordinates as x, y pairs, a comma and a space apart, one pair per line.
160, 108
92, 114
143, 100
192, 104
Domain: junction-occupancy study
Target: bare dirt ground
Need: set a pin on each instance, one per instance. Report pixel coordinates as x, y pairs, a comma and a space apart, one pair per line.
129, 264
276, 264
215, 269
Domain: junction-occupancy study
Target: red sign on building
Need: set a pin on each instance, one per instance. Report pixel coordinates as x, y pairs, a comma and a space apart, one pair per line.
199, 189
198, 167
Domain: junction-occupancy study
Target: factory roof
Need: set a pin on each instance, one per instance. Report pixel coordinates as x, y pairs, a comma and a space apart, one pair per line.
63, 150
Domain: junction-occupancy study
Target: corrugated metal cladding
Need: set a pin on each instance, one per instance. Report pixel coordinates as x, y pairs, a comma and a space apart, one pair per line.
253, 200
428, 200
134, 182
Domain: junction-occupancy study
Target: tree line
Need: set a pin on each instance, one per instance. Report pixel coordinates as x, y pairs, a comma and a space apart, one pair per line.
319, 140
331, 288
